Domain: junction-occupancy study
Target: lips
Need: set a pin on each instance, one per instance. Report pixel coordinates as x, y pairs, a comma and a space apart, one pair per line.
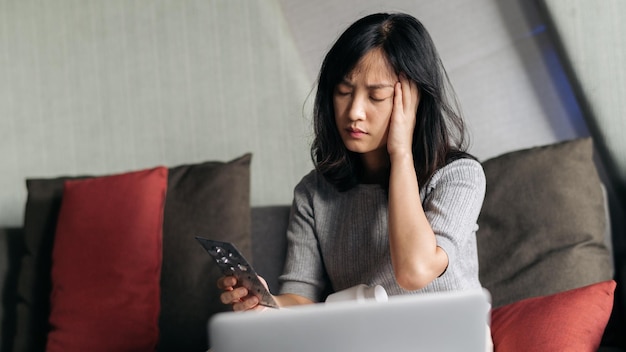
355, 129
355, 132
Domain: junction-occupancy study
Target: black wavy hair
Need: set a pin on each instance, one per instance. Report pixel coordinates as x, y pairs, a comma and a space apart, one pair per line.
439, 135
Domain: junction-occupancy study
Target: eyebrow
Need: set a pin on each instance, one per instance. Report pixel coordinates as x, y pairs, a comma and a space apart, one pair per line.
371, 86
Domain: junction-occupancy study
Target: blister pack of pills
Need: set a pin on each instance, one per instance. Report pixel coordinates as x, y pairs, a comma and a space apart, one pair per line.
232, 262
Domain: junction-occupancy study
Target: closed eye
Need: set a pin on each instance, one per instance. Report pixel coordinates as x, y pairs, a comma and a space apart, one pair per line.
379, 99
343, 89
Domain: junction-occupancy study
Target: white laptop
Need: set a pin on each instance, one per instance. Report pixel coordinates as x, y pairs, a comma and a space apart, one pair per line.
450, 321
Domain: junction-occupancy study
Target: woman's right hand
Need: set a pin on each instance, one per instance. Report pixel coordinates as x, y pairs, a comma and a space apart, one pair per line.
406, 99
238, 296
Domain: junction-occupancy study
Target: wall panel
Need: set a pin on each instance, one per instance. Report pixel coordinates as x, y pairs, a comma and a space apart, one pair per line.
95, 87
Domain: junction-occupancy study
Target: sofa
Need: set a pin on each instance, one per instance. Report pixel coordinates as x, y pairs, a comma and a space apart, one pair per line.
109, 262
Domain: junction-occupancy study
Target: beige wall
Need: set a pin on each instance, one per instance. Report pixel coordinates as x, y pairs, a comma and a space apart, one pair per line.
104, 86
99, 86
593, 38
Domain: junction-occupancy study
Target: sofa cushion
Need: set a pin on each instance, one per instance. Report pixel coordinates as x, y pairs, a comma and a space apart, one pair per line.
106, 263
572, 320
269, 241
542, 226
34, 280
210, 199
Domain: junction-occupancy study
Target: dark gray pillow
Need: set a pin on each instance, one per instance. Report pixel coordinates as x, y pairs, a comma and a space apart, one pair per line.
209, 199
542, 225
34, 280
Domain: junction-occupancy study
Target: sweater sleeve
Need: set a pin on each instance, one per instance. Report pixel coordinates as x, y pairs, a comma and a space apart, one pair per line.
304, 273
453, 200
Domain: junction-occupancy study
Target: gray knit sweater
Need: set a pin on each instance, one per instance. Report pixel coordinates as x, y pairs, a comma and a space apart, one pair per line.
337, 240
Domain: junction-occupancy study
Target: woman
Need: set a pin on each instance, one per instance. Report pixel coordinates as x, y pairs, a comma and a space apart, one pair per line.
394, 198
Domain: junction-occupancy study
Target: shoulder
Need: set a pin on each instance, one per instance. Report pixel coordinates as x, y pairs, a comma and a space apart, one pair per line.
463, 171
309, 180
312, 183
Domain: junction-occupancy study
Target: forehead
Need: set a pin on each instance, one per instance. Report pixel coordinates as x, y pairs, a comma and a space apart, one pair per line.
373, 67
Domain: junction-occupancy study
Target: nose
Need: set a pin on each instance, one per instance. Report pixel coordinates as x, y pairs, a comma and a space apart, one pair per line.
356, 110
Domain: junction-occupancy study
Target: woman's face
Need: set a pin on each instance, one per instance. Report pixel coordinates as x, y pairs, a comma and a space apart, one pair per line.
363, 102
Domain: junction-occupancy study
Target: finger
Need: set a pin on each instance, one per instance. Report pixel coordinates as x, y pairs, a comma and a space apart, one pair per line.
234, 296
226, 282
260, 308
264, 283
410, 95
246, 304
228, 297
415, 90
415, 96
397, 97
407, 92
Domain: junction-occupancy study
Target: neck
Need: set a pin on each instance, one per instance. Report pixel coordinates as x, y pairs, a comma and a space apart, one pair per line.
376, 166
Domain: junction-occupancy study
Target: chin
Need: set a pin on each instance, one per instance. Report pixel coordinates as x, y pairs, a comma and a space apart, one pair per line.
355, 148
360, 150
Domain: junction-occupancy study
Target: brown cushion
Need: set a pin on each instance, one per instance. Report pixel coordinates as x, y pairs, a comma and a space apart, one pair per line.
34, 281
541, 229
209, 199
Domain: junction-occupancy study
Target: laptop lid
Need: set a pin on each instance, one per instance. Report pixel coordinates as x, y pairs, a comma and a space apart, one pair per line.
449, 321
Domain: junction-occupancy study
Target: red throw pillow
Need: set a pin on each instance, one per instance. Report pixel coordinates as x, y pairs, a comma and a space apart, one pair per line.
573, 320
106, 263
